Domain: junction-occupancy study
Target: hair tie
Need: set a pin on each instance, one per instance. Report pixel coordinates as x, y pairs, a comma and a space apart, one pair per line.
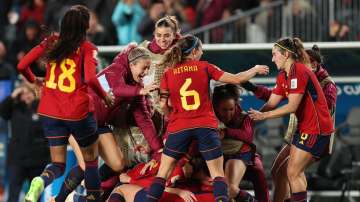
187, 51
285, 48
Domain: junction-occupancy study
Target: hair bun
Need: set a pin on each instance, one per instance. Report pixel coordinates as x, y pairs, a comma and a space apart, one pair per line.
315, 48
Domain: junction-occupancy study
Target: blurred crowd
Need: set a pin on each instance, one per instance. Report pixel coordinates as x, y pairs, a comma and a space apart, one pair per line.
113, 22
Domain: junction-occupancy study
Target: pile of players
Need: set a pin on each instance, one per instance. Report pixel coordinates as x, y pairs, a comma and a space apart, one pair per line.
195, 143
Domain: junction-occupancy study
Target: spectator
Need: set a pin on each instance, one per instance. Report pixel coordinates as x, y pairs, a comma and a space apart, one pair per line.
27, 39
96, 32
33, 9
126, 18
147, 25
28, 152
7, 71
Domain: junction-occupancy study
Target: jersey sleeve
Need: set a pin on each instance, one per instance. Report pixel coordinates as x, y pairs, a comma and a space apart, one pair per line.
298, 81
90, 63
214, 72
278, 88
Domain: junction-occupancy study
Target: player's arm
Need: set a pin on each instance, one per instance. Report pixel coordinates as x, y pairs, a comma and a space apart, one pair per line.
244, 133
144, 122
164, 102
244, 76
28, 59
290, 107
272, 102
90, 63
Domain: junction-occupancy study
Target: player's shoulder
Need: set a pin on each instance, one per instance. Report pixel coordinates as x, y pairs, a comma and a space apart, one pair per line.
86, 44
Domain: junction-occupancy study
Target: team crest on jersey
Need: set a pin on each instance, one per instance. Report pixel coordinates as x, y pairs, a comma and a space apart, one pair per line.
293, 84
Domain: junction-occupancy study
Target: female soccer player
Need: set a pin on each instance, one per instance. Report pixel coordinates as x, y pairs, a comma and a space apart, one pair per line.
237, 144
166, 34
186, 86
124, 77
65, 104
278, 170
299, 85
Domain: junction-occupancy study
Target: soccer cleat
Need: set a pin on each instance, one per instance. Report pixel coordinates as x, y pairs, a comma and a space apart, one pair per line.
36, 188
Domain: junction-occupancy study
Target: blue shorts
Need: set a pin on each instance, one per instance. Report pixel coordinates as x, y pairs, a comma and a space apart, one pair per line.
57, 131
317, 145
103, 129
141, 195
246, 157
209, 144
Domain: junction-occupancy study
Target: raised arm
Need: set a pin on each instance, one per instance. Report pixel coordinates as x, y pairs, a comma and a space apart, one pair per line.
244, 76
28, 59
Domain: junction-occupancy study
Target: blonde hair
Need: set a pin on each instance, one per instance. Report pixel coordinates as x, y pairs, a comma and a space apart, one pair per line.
168, 21
137, 54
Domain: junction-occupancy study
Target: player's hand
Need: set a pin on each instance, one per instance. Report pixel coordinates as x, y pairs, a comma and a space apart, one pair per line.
261, 69
109, 99
256, 115
148, 166
221, 133
142, 149
187, 196
148, 88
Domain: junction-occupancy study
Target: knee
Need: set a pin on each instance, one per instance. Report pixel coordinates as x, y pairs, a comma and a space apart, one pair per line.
118, 166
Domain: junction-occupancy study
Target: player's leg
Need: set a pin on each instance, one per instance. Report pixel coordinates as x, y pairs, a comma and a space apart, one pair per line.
112, 155
279, 175
175, 147
75, 175
57, 135
210, 149
256, 174
234, 172
84, 131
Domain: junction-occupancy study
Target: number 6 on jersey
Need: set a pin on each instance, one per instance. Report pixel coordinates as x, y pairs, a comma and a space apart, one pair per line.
189, 93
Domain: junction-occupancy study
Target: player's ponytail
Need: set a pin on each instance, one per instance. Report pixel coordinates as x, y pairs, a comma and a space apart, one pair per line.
181, 50
294, 47
302, 56
72, 32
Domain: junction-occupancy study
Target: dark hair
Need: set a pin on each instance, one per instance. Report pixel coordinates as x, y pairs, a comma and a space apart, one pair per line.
295, 47
225, 92
168, 21
315, 55
72, 32
179, 52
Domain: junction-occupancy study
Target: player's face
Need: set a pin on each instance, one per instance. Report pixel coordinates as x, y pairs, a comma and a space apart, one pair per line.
140, 69
164, 36
278, 58
226, 110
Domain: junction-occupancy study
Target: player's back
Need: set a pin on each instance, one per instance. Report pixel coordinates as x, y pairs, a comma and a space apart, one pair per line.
188, 85
64, 94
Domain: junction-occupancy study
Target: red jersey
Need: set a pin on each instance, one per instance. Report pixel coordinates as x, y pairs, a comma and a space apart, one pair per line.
312, 113
188, 85
64, 94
